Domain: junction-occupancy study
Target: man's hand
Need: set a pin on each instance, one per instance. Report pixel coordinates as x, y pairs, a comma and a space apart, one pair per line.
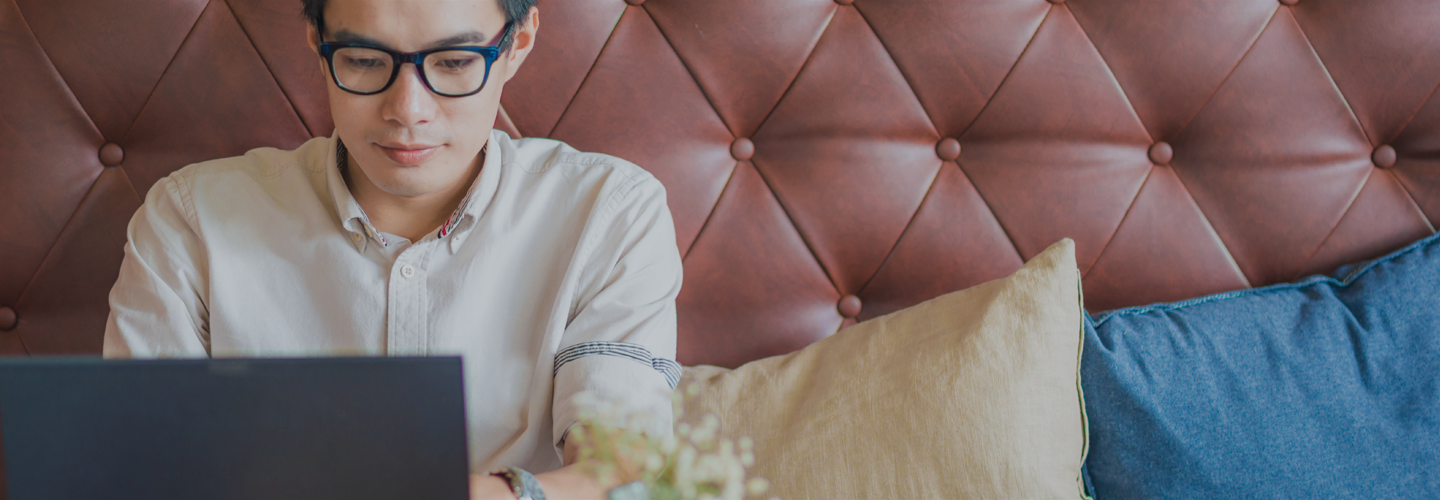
565, 483
488, 487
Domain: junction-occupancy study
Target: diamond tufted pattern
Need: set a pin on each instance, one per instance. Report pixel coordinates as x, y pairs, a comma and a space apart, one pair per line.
827, 161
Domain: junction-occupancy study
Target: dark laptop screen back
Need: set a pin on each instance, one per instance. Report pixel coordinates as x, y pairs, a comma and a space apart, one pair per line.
341, 428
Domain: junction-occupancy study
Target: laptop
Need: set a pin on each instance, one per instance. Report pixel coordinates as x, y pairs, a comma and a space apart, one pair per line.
324, 428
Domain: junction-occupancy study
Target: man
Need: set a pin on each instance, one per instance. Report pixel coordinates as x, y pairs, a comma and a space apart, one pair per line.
418, 230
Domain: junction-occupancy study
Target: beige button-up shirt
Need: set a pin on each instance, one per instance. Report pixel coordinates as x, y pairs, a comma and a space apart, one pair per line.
557, 275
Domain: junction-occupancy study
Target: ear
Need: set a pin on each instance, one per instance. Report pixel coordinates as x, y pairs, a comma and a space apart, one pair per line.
312, 38
523, 43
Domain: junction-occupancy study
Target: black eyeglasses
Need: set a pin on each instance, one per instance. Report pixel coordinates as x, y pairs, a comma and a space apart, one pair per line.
364, 69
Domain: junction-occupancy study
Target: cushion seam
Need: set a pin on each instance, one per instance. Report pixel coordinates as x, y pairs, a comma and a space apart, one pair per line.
1307, 282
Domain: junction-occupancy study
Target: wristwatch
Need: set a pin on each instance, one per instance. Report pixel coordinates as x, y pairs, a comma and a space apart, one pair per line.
522, 484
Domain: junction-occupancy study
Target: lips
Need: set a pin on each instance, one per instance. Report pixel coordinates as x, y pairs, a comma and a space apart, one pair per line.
408, 154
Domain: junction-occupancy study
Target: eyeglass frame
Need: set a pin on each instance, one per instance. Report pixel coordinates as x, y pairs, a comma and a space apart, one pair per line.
490, 53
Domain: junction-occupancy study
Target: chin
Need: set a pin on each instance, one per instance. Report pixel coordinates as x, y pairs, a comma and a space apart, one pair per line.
406, 187
407, 180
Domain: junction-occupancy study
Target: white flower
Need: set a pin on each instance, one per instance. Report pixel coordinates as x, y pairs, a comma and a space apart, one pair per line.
757, 486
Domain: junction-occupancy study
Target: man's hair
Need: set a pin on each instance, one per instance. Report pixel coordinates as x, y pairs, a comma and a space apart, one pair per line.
516, 11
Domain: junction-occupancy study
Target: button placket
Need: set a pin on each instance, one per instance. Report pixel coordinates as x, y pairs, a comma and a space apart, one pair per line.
408, 308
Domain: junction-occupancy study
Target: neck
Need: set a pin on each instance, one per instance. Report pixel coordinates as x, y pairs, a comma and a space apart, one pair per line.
410, 217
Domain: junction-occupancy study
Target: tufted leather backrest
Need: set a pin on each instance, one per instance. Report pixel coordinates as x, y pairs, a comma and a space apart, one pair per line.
826, 160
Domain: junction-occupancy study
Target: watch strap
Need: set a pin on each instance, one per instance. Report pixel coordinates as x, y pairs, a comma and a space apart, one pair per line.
523, 484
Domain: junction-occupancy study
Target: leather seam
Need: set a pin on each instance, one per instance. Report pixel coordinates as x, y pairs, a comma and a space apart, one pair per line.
1210, 226
996, 218
89, 194
1135, 200
1229, 254
934, 179
796, 227
790, 86
909, 85
1415, 113
710, 214
588, 73
1268, 21
168, 64
1331, 233
270, 71
689, 72
1333, 84
70, 92
1125, 95
988, 101
1415, 204
1011, 72
70, 220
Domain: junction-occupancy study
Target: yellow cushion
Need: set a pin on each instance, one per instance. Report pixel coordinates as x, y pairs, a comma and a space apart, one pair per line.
975, 394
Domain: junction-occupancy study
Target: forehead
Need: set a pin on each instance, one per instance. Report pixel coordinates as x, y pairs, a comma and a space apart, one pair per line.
413, 24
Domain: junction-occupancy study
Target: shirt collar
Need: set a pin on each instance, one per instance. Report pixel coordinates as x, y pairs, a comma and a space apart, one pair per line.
352, 217
462, 219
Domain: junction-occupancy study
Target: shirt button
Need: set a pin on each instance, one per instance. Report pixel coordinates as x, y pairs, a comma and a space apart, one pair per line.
407, 270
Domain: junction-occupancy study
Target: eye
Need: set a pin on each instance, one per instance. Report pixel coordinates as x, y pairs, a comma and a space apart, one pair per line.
454, 62
364, 62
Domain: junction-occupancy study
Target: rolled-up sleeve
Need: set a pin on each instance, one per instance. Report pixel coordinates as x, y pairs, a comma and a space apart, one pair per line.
620, 345
157, 306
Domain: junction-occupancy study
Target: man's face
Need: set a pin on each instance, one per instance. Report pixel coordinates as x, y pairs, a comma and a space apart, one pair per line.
407, 140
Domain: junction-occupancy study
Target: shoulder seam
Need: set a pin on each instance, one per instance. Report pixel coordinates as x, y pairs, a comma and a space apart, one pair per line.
187, 202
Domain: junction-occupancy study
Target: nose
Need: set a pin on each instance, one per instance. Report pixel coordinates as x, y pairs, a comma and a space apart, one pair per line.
407, 101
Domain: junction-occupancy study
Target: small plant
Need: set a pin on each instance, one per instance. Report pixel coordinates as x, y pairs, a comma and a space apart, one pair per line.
693, 464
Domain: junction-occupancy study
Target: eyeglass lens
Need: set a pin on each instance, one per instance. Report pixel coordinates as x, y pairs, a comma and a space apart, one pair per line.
448, 71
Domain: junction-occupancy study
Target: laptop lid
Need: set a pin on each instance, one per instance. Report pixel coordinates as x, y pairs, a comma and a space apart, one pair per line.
326, 428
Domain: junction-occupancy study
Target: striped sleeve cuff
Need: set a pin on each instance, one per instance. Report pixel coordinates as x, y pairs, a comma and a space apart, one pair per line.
635, 352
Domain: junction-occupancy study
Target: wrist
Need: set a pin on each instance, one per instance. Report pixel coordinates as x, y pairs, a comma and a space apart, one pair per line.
520, 483
488, 487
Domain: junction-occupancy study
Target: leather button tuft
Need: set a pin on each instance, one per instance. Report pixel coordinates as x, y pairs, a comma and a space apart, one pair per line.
8, 319
111, 154
742, 149
948, 149
1057, 2
634, 2
1289, 2
849, 306
1161, 153
844, 2
1384, 156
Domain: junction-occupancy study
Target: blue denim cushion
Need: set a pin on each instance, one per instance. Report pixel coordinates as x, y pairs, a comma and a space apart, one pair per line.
1329, 387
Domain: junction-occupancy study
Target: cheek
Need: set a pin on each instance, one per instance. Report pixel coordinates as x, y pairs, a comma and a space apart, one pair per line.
470, 121
349, 114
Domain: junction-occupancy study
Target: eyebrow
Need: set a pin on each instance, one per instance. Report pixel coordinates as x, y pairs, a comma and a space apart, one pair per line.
348, 36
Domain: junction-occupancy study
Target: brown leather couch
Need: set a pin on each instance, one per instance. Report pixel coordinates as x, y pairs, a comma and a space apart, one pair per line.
827, 161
